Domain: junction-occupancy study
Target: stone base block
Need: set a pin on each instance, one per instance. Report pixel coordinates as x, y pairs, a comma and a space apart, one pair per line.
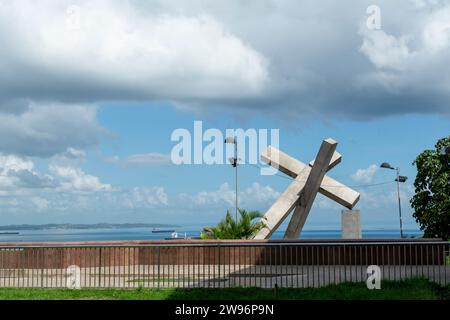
351, 224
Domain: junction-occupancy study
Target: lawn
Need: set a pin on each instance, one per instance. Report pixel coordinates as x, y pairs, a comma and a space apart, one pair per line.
390, 290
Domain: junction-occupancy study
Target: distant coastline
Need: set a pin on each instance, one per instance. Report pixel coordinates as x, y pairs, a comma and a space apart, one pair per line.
73, 226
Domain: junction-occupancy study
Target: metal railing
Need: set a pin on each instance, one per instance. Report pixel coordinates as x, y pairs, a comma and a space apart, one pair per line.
221, 264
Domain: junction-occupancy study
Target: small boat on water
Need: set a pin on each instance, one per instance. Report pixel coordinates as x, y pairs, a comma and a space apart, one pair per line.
176, 236
163, 230
8, 233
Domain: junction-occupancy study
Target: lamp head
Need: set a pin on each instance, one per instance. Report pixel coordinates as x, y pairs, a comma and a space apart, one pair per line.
386, 165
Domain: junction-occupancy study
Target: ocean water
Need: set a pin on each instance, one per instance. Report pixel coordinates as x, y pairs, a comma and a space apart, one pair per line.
68, 235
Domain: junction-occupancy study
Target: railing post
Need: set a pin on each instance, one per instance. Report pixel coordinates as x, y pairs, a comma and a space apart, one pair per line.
159, 264
42, 268
100, 267
218, 252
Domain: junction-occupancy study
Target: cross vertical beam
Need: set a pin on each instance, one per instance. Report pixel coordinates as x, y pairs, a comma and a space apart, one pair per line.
312, 186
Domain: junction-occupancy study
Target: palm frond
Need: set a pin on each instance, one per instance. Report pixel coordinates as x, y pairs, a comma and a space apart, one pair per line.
229, 228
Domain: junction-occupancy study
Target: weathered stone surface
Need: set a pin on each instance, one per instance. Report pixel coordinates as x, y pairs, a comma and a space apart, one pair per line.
292, 196
330, 188
351, 224
283, 206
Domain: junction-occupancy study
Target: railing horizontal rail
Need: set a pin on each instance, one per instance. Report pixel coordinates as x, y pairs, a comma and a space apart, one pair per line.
226, 244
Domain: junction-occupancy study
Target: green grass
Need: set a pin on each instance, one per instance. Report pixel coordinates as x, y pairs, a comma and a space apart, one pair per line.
409, 289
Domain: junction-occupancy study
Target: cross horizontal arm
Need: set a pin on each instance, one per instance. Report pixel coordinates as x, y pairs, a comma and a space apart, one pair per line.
291, 166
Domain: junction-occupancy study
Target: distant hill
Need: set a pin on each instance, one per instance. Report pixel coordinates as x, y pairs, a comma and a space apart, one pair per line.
85, 226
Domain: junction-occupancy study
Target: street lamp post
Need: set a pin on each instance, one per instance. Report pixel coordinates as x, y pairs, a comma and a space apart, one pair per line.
234, 163
399, 179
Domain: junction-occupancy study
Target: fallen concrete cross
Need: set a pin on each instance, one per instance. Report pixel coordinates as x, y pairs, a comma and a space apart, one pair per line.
300, 194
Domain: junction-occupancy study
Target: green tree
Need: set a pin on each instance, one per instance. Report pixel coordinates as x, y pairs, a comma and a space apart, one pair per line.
431, 202
228, 228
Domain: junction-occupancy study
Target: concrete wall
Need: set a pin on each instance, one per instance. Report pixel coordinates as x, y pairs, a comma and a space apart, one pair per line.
392, 252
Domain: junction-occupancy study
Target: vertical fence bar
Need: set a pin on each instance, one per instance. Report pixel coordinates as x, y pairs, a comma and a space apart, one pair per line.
159, 266
178, 266
276, 261
183, 261
100, 251
361, 263
310, 258
51, 266
27, 265
270, 266
244, 265
109, 266
2, 269
421, 260
440, 264
428, 261
416, 262
389, 262
446, 261
350, 263
41, 265
344, 261
335, 265
229, 266
316, 263
397, 265
282, 267
405, 262
433, 262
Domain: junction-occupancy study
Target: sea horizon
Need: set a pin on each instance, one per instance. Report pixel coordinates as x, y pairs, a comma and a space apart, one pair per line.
145, 233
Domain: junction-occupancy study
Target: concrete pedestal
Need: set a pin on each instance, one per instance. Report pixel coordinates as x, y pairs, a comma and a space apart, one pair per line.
351, 224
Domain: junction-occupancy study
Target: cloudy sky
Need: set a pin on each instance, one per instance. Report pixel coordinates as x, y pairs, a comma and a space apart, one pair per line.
91, 91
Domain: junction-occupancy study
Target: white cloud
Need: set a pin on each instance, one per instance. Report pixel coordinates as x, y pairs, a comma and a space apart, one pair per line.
74, 179
71, 155
144, 197
386, 197
14, 163
41, 204
365, 175
222, 195
386, 51
257, 193
222, 56
251, 197
122, 51
47, 129
414, 63
17, 173
436, 33
325, 203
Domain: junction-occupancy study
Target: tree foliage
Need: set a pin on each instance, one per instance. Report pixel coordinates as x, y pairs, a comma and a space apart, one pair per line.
431, 201
228, 228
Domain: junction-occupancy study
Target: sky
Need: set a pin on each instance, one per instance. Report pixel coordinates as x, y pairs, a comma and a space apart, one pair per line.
91, 93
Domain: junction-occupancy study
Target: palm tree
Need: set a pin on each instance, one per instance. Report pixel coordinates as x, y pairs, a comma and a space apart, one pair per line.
228, 228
